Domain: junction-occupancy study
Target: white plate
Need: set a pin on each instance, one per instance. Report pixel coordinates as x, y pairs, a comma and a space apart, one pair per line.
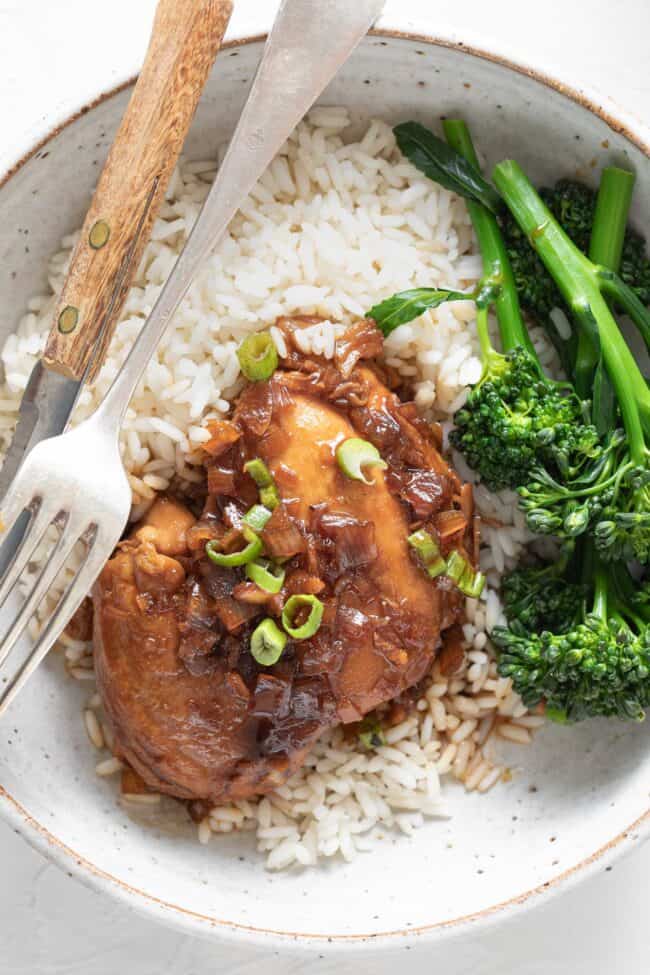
579, 795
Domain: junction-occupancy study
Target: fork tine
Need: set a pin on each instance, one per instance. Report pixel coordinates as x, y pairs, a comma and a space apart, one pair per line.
68, 604
55, 562
34, 534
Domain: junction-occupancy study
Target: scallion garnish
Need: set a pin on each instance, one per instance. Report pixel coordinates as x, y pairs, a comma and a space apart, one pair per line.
258, 356
292, 608
428, 552
469, 580
251, 551
371, 734
266, 575
269, 495
353, 454
256, 517
267, 643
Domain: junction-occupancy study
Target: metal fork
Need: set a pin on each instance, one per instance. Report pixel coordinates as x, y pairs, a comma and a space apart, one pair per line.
76, 481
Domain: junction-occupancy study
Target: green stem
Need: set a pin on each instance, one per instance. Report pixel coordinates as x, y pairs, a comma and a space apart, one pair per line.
601, 588
625, 591
483, 333
580, 283
584, 558
605, 248
610, 218
625, 296
563, 494
496, 263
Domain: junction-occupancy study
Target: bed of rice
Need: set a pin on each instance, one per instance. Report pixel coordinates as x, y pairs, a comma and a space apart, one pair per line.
333, 226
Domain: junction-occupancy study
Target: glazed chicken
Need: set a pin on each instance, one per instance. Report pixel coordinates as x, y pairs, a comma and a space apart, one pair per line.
193, 712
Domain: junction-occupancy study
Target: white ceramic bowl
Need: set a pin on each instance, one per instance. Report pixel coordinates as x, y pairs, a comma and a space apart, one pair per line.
581, 795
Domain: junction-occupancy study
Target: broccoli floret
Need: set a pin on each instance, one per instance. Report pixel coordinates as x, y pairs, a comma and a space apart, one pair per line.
621, 491
515, 422
567, 507
623, 529
598, 664
635, 265
574, 205
543, 598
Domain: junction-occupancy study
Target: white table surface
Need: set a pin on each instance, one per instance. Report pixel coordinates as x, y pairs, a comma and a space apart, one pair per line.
53, 55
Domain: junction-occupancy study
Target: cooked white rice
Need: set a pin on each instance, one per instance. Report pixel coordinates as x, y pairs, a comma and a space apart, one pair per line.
331, 228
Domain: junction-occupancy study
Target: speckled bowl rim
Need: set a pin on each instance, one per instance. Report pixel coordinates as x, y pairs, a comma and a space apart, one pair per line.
38, 836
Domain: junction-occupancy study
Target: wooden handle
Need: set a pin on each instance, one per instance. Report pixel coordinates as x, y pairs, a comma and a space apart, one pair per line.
185, 38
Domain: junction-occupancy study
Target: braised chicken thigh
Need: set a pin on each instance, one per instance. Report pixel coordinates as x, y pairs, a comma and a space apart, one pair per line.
193, 709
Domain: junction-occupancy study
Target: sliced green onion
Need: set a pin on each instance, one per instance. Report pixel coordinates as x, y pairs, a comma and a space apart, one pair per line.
353, 454
469, 581
456, 566
293, 606
258, 471
428, 552
371, 734
269, 495
474, 587
256, 517
266, 575
242, 557
267, 643
258, 356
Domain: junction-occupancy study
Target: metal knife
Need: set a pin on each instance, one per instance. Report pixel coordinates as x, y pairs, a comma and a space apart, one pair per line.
185, 38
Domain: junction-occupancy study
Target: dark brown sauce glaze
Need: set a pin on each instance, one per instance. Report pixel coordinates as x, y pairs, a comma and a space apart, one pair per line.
192, 712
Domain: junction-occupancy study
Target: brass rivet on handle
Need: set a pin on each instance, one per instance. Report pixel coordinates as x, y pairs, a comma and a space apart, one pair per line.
99, 234
68, 319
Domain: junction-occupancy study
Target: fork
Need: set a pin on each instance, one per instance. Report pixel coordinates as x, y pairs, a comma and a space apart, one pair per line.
76, 481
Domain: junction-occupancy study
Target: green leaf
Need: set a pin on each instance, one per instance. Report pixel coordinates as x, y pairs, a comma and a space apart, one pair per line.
407, 305
444, 165
603, 407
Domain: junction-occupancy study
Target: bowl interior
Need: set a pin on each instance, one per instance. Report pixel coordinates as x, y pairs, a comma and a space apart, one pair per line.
572, 792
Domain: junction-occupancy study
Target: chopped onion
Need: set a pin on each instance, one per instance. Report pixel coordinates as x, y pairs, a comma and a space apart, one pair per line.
450, 523
424, 490
223, 434
281, 536
233, 613
363, 340
354, 540
221, 481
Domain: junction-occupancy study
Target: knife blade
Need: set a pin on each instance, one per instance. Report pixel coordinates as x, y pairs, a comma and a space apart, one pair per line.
45, 408
46, 405
185, 38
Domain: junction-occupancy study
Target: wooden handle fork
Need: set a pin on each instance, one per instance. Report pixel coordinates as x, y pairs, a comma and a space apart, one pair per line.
185, 38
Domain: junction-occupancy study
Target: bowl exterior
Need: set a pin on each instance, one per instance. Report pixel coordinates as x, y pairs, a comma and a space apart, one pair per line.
581, 795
